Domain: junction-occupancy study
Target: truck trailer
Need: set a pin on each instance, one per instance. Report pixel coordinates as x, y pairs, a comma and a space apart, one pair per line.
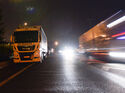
106, 38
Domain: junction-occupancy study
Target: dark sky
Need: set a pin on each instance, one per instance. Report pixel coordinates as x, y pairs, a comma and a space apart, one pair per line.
62, 20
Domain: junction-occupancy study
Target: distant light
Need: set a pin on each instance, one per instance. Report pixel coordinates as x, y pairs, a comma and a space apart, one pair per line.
56, 43
25, 24
117, 54
30, 8
116, 22
52, 50
122, 37
119, 34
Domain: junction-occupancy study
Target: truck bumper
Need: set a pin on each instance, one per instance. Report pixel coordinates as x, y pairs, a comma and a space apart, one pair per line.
24, 61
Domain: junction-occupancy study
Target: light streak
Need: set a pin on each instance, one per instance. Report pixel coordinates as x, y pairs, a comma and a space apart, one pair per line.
122, 37
119, 34
117, 54
116, 22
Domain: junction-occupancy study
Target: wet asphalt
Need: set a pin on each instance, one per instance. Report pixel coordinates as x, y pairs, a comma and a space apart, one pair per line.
58, 75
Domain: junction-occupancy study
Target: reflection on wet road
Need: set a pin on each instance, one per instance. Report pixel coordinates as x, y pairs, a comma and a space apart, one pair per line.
59, 75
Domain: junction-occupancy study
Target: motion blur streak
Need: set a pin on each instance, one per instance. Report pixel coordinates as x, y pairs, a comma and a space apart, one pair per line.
120, 20
115, 78
114, 66
119, 34
117, 54
122, 37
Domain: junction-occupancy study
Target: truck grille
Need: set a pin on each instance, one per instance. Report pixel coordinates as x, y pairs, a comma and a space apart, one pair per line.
26, 56
26, 48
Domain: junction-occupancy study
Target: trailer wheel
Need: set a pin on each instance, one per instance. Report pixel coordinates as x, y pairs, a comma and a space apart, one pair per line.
44, 57
41, 59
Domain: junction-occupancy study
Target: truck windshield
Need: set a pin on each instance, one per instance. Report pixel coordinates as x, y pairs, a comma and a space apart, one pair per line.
26, 36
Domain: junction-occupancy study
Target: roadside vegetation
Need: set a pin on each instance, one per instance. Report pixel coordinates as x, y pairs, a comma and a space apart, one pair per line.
5, 48
5, 52
1, 27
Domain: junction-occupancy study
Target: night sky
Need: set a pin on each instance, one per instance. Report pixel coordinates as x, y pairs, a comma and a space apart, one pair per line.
62, 20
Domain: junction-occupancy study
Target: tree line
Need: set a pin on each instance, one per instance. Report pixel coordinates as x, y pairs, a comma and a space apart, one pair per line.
1, 27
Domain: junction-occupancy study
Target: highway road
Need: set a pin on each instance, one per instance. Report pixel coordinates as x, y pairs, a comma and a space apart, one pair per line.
59, 75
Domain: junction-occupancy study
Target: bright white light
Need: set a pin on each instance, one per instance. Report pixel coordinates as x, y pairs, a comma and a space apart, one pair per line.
56, 43
25, 24
120, 20
52, 50
68, 53
60, 51
122, 37
117, 54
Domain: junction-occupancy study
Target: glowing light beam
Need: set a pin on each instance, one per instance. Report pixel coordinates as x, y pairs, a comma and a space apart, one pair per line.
119, 34
117, 54
121, 38
116, 22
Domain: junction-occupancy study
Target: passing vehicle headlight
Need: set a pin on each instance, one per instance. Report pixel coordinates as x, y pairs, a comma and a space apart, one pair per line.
68, 53
117, 54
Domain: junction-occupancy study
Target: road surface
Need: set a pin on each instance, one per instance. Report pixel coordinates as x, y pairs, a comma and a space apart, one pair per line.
60, 75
